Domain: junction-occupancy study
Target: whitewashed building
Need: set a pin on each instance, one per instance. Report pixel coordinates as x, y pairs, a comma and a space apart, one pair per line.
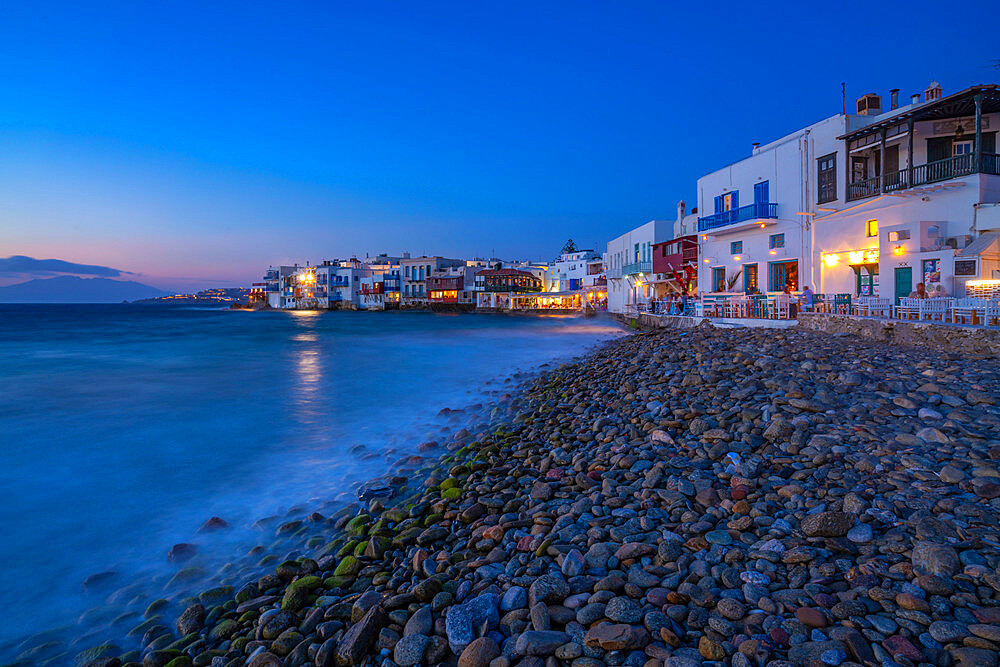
754, 222
573, 271
628, 264
918, 190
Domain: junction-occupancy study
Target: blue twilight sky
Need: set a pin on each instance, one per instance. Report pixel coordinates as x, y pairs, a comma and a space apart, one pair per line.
195, 143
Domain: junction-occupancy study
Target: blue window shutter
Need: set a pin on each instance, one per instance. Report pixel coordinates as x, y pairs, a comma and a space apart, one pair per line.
718, 204
760, 192
736, 200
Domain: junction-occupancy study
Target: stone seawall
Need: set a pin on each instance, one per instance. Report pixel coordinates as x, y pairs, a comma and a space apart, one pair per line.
648, 321
966, 340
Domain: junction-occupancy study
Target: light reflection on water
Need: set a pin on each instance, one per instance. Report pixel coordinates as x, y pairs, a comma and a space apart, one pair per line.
124, 427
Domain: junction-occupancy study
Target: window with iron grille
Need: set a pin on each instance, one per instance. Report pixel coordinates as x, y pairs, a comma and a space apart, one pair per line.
736, 247
776, 241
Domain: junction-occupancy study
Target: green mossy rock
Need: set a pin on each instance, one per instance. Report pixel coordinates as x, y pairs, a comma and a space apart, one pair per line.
347, 549
377, 546
337, 582
449, 483
358, 525
180, 661
215, 596
224, 629
347, 567
185, 575
451, 494
359, 550
154, 608
96, 653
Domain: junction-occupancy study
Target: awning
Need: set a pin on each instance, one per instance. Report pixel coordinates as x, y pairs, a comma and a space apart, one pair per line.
985, 243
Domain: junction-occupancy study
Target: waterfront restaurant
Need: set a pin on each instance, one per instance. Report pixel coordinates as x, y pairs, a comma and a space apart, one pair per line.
566, 301
495, 287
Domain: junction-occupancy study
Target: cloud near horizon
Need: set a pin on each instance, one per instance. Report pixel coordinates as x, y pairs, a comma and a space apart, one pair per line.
22, 265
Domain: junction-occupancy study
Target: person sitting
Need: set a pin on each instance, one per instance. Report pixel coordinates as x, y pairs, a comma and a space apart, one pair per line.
806, 299
920, 292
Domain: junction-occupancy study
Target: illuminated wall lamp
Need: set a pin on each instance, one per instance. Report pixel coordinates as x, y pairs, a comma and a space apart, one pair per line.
831, 259
898, 250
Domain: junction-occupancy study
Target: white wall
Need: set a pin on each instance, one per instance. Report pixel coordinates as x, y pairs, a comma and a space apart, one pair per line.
952, 210
789, 166
625, 290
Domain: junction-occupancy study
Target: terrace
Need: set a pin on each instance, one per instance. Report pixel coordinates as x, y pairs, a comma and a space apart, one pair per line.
951, 131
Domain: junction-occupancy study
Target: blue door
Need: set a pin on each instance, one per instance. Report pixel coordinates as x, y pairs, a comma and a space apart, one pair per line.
760, 195
904, 282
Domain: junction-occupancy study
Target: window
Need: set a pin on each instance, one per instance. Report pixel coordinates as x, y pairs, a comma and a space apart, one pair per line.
750, 278
782, 274
736, 247
719, 279
776, 241
727, 202
965, 267
901, 235
636, 252
961, 148
407, 272
871, 228
826, 178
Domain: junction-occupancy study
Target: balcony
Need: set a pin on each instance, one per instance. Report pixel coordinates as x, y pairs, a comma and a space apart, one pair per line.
637, 267
510, 288
755, 211
923, 174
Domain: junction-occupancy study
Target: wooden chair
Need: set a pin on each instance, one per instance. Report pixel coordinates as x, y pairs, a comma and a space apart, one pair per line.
842, 304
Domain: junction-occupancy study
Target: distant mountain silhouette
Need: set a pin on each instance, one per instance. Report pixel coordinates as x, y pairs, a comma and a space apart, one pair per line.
71, 289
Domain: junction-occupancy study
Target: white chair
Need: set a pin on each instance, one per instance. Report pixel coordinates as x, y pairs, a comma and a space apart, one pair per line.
935, 309
862, 306
782, 307
879, 307
908, 307
992, 315
970, 311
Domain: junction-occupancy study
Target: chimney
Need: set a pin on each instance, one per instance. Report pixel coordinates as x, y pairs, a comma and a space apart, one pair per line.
869, 105
756, 145
894, 99
933, 92
915, 98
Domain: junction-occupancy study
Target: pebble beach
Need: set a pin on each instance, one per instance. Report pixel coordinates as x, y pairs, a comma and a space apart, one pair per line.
705, 496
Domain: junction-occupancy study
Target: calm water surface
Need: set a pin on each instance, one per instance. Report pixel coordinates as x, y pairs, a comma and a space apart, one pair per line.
123, 428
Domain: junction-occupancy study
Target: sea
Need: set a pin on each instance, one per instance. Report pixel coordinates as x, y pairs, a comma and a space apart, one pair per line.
124, 427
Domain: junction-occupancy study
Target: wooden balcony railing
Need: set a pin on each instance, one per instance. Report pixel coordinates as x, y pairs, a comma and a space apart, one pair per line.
922, 174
